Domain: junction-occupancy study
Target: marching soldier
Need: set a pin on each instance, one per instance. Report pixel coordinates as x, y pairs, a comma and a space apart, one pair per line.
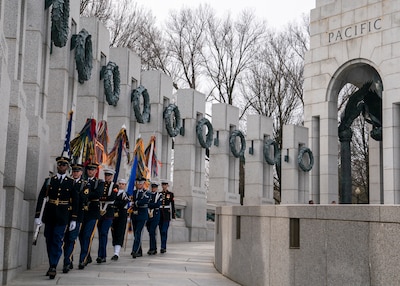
94, 189
62, 204
118, 227
139, 215
71, 236
106, 213
154, 217
167, 211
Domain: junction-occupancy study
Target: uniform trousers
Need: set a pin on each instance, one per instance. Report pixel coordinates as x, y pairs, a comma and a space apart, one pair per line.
103, 227
54, 235
151, 225
164, 225
118, 228
137, 225
85, 238
69, 243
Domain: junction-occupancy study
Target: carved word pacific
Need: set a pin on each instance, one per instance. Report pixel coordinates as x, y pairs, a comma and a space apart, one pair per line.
355, 30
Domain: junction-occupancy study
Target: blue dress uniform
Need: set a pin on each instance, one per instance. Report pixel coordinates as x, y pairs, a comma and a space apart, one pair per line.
71, 236
139, 215
154, 219
94, 190
106, 218
167, 211
61, 205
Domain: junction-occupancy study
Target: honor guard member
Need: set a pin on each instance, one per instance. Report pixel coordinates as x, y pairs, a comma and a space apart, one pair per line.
106, 213
71, 235
139, 215
167, 211
154, 217
61, 205
118, 227
94, 190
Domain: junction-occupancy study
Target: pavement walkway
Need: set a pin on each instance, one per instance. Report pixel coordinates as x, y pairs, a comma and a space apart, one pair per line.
184, 264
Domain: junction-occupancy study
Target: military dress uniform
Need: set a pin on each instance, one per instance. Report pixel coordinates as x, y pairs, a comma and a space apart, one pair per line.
106, 218
71, 236
118, 227
154, 219
94, 189
167, 212
139, 215
62, 204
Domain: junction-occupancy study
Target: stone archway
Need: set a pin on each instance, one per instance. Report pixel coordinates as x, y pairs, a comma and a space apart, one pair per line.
367, 102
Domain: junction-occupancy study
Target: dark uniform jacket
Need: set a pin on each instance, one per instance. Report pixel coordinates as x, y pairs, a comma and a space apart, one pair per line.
140, 204
62, 201
94, 189
120, 203
83, 198
107, 199
167, 208
154, 205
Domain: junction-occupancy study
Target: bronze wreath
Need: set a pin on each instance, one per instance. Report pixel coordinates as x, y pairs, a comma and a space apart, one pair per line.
199, 131
232, 143
59, 21
173, 127
267, 158
112, 77
82, 43
305, 150
135, 98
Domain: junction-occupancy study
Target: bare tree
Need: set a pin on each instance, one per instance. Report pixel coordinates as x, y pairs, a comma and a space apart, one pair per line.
273, 85
231, 48
130, 26
101, 9
185, 37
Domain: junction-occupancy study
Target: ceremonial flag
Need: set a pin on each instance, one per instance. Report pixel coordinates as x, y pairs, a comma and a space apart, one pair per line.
121, 145
84, 143
67, 149
151, 158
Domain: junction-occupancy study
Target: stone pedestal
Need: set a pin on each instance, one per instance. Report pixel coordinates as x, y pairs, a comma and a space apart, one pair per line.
189, 162
294, 182
159, 87
259, 187
224, 167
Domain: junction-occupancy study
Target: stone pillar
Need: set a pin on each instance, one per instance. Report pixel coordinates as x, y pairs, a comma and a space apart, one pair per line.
30, 140
159, 87
91, 99
294, 182
62, 87
5, 93
259, 184
224, 167
129, 68
375, 168
189, 162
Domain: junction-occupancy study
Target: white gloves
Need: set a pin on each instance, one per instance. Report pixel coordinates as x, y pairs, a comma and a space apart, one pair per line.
38, 221
72, 225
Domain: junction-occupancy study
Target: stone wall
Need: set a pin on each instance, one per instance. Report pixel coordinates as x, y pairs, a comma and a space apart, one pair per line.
338, 245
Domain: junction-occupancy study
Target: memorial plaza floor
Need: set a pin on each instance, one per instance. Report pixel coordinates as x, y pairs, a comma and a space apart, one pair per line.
187, 263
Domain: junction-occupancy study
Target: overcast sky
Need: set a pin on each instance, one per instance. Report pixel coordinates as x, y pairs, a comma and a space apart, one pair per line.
276, 13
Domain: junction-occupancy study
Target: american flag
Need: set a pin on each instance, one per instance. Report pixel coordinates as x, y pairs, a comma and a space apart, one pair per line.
67, 149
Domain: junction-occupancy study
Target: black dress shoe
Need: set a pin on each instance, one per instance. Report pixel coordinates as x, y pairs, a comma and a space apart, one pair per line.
66, 268
88, 260
151, 252
163, 250
81, 266
115, 257
71, 266
47, 273
52, 272
99, 260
